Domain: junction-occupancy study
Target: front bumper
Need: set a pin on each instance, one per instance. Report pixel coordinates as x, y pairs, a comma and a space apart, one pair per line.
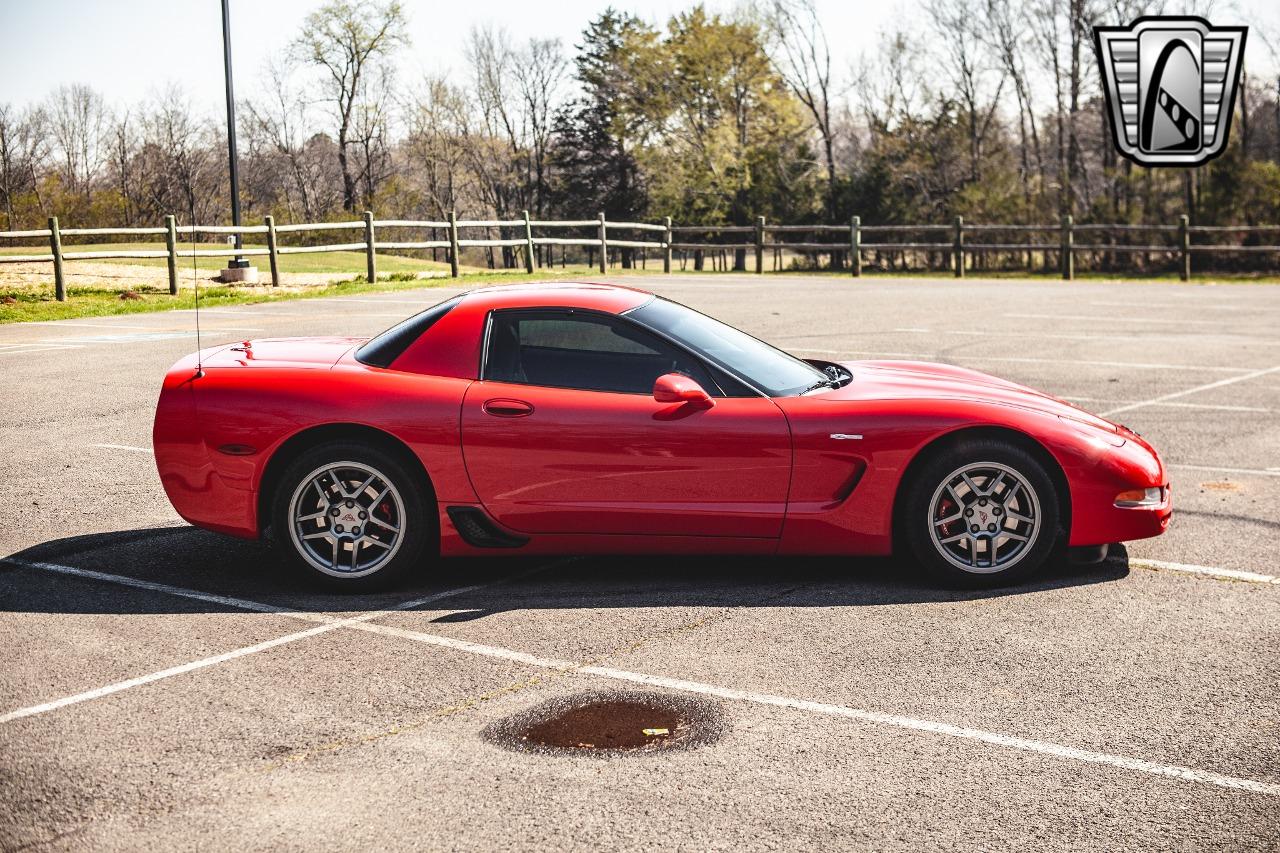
1095, 517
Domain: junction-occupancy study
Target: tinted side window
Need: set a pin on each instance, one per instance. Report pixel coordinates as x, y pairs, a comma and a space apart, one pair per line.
589, 352
387, 347
578, 334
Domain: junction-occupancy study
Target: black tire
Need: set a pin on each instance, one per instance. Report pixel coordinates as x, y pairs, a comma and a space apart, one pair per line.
960, 563
408, 507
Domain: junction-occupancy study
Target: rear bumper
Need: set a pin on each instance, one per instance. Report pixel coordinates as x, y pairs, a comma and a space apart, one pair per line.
200, 493
204, 498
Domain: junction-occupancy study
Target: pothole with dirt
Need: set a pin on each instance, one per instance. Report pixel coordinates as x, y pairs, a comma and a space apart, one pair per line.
611, 722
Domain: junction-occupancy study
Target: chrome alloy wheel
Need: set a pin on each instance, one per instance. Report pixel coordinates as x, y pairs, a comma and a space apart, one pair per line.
347, 519
984, 517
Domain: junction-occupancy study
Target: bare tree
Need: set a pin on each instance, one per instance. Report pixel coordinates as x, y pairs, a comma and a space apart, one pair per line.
964, 59
123, 165
497, 147
802, 57
348, 40
541, 73
436, 144
10, 169
22, 154
1048, 40
77, 119
891, 86
371, 134
1006, 36
179, 158
278, 129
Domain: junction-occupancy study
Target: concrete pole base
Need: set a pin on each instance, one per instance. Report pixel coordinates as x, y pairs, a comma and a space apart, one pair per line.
239, 275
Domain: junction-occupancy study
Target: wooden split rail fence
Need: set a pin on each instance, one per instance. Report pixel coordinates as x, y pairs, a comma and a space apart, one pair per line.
848, 240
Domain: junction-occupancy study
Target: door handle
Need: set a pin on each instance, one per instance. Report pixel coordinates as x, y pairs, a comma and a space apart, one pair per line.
505, 408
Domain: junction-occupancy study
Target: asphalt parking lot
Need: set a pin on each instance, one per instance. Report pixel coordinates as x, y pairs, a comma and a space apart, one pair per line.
168, 688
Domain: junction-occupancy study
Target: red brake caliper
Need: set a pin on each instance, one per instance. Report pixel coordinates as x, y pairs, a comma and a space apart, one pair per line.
945, 509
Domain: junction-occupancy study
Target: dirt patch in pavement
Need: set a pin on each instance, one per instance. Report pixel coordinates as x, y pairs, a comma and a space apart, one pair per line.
1220, 486
611, 722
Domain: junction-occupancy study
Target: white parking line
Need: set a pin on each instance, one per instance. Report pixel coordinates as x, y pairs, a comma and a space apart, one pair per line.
132, 338
1173, 396
425, 303
946, 729
124, 447
1205, 406
1141, 365
1211, 571
23, 349
1173, 771
166, 673
236, 312
364, 623
1078, 336
327, 624
155, 586
1256, 472
1112, 319
1199, 307
76, 324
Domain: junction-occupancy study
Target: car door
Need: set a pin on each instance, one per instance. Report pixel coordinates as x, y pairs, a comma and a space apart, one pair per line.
562, 434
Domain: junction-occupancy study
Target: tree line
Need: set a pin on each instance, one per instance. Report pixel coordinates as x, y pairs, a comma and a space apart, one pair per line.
990, 109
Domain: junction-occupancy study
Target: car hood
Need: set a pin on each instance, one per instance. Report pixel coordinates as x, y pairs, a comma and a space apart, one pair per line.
921, 380
280, 352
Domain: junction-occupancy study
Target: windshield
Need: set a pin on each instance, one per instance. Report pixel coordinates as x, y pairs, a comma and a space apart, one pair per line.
769, 369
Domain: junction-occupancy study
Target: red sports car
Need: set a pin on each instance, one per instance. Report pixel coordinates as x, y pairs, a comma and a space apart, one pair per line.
591, 418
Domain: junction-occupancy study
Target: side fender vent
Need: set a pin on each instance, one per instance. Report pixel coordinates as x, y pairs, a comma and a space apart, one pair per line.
478, 529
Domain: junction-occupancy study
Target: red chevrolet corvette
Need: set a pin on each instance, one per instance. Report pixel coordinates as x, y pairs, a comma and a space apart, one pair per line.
589, 418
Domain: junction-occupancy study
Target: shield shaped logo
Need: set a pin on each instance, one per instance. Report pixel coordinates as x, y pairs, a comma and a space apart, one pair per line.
1171, 87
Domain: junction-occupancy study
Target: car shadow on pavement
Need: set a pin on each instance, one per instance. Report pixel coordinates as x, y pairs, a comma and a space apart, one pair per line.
194, 559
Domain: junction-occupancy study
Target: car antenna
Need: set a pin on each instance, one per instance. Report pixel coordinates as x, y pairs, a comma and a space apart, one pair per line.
195, 281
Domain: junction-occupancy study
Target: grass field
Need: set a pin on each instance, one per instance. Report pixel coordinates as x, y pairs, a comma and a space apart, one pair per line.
326, 262
98, 302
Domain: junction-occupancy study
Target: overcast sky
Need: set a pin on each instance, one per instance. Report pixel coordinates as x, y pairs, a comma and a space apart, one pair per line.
128, 49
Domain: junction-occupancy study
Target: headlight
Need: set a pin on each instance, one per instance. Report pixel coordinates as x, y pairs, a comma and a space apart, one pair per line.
1141, 497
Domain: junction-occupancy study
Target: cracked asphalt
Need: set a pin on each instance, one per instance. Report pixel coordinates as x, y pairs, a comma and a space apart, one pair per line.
166, 688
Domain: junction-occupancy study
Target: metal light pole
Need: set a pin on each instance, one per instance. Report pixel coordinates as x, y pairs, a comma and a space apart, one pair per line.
238, 262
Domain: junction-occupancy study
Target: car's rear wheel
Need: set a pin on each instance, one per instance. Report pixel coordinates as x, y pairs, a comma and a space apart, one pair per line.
981, 513
350, 516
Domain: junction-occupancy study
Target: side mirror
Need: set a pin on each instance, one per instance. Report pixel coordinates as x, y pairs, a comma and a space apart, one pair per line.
678, 388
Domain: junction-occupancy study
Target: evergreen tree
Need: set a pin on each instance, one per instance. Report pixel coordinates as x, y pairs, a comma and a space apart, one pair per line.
593, 153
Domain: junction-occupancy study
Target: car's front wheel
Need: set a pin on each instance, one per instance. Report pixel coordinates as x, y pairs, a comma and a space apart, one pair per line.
350, 516
981, 513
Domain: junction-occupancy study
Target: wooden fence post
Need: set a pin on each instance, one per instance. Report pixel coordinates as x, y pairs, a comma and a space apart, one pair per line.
1184, 245
855, 245
453, 243
171, 244
759, 245
370, 256
528, 244
604, 246
666, 246
1068, 253
958, 246
55, 244
273, 257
